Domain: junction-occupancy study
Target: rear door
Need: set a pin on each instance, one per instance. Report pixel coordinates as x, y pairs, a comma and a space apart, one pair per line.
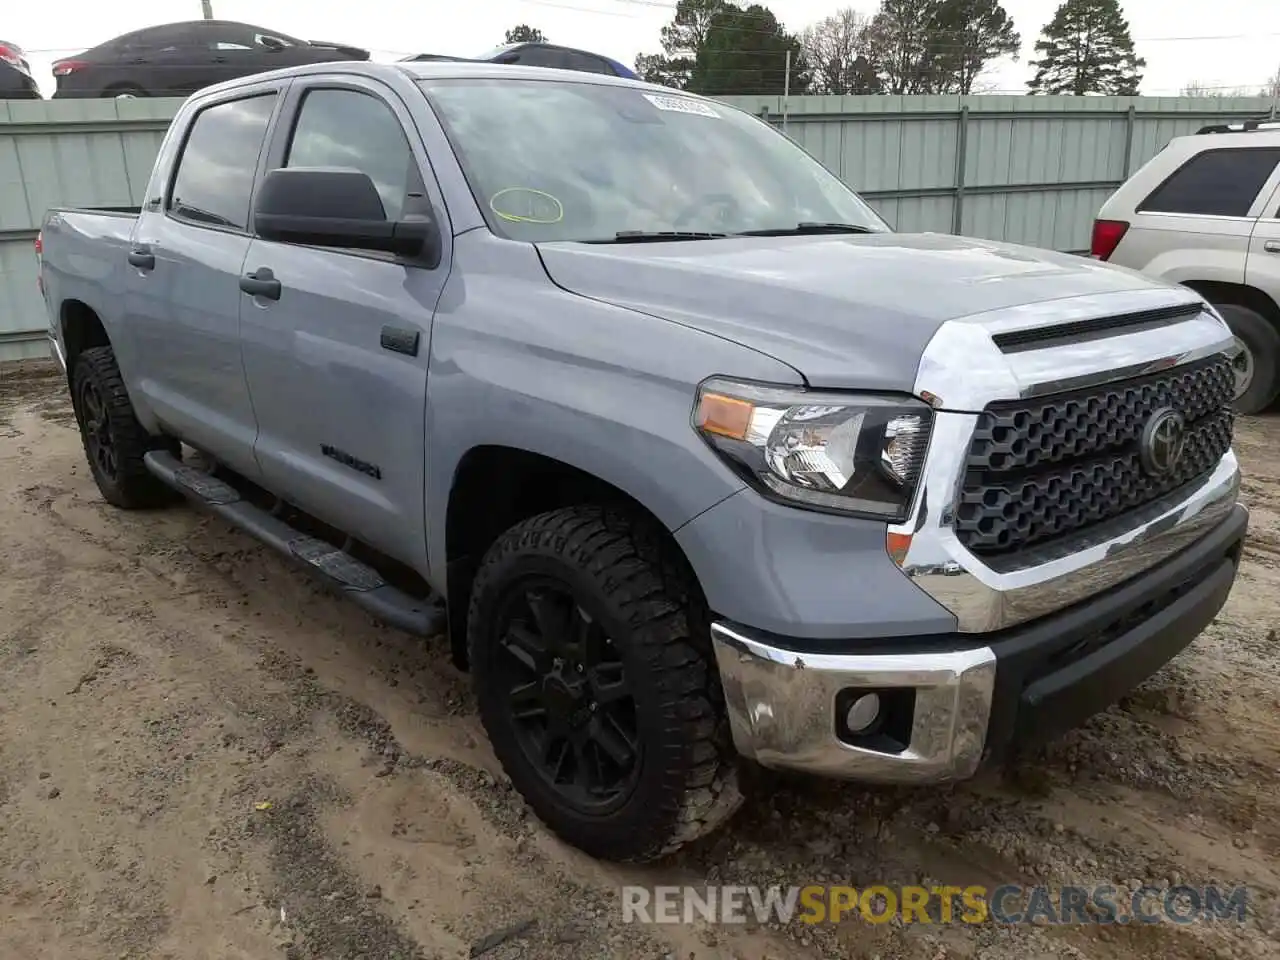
182, 295
337, 366
1195, 224
171, 60
240, 50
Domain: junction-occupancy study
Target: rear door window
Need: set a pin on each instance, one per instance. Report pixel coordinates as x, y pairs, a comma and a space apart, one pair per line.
576, 60
214, 179
1222, 183
536, 57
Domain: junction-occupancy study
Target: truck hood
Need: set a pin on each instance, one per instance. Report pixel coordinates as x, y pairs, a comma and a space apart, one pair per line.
844, 311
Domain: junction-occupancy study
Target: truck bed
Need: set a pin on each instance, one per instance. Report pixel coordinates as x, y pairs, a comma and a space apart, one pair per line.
83, 252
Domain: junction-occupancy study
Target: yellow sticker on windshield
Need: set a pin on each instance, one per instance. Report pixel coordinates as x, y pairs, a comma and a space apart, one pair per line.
526, 205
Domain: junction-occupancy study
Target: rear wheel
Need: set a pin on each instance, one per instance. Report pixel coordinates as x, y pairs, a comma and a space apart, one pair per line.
597, 687
1257, 366
124, 91
114, 441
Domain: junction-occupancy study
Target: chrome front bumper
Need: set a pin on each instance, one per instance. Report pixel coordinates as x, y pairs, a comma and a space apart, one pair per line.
781, 708
946, 704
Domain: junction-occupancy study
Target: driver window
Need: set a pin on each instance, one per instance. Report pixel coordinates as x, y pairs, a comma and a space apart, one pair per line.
349, 130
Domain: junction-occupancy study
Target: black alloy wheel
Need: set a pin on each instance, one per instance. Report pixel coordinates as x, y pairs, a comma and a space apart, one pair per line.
99, 446
591, 660
574, 713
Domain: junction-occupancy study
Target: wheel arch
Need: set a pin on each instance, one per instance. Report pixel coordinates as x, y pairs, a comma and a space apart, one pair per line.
494, 488
81, 328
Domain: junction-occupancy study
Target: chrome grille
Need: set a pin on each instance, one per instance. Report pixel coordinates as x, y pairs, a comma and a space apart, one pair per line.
1041, 469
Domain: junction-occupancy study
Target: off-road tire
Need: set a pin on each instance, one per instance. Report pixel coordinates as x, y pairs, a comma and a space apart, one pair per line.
686, 784
1262, 339
129, 485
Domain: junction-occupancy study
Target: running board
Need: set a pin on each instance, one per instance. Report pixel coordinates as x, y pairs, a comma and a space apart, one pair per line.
341, 572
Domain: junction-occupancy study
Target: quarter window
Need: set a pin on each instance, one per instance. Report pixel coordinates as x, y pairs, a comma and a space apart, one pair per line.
348, 130
1221, 183
214, 179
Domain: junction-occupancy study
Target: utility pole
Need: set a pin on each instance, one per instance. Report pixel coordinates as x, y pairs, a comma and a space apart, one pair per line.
207, 7
1275, 94
786, 92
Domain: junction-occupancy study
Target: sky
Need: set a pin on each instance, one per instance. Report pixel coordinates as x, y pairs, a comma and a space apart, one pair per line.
1219, 44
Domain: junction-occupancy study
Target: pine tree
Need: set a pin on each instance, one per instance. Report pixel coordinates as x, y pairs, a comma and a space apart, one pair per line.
1087, 48
523, 33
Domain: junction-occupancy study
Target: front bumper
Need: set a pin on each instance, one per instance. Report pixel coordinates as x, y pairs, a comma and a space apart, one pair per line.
948, 704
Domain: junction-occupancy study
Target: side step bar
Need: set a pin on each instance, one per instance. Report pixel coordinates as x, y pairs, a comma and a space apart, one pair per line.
337, 569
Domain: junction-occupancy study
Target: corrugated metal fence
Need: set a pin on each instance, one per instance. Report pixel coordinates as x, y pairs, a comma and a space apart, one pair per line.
1025, 169
1030, 170
57, 153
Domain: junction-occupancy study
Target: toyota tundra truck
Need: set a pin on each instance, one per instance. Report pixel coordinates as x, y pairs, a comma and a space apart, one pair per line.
691, 459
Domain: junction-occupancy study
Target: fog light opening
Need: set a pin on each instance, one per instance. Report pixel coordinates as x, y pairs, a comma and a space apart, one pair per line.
863, 714
875, 718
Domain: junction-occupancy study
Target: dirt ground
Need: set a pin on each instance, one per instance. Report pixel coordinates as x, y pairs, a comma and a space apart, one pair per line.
202, 755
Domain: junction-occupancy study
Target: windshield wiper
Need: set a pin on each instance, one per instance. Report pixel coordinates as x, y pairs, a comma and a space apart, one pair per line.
807, 228
658, 236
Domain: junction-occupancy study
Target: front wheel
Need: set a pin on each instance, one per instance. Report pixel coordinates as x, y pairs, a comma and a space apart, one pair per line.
597, 691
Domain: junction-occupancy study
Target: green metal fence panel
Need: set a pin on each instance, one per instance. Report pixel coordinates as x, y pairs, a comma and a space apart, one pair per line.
63, 153
1030, 170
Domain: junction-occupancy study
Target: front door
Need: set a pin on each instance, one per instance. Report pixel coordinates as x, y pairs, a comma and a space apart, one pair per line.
337, 365
1262, 268
182, 297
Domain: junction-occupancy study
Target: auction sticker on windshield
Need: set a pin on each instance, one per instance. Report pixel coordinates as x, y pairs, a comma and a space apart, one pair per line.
681, 105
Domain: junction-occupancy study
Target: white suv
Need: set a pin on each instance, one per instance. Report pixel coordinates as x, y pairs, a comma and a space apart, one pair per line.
1205, 213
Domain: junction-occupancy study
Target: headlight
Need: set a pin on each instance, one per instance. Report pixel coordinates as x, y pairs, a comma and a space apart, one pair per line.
845, 453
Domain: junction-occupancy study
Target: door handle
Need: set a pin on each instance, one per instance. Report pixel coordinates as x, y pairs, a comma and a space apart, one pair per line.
142, 259
261, 283
1271, 246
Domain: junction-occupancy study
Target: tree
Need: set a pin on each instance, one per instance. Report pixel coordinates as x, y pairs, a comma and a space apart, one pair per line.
1086, 48
898, 37
745, 51
1272, 89
717, 47
939, 46
682, 38
1197, 89
836, 50
965, 36
523, 33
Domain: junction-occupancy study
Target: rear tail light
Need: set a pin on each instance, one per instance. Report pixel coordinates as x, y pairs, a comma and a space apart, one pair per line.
1107, 235
12, 55
40, 261
65, 68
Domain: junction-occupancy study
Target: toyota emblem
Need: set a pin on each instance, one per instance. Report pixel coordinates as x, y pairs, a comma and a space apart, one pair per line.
1163, 441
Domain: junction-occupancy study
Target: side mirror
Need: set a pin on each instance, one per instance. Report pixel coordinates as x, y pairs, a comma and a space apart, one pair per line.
337, 208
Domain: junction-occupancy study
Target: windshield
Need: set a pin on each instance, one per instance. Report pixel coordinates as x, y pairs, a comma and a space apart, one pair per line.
557, 160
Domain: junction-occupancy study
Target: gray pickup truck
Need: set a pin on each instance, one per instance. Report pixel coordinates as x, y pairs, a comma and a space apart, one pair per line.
693, 458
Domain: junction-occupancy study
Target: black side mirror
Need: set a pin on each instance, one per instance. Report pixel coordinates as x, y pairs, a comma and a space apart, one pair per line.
338, 208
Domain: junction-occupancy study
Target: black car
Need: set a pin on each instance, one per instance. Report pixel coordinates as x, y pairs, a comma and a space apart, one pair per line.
177, 59
544, 55
16, 82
